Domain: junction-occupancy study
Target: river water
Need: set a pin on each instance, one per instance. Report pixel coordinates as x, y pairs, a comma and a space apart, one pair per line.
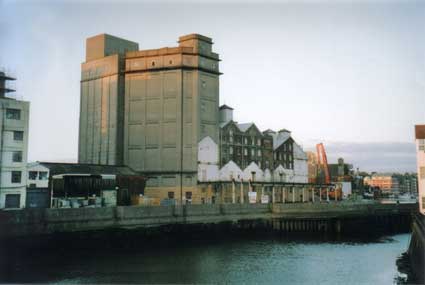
253, 260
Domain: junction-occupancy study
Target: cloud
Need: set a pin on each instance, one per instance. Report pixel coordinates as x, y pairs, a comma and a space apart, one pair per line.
381, 157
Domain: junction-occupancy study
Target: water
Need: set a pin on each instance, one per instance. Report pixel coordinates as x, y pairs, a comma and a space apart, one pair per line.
251, 260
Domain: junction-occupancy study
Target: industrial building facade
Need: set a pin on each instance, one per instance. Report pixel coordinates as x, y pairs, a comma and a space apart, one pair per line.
149, 109
14, 122
157, 111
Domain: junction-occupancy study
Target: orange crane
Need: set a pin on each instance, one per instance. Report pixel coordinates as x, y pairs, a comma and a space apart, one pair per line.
322, 160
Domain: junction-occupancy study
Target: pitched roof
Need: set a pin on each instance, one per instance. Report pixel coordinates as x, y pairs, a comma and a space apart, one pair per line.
224, 106
244, 127
279, 138
268, 131
82, 168
223, 124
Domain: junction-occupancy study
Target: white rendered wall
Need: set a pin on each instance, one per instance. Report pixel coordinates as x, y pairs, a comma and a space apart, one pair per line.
9, 145
39, 168
208, 160
230, 170
300, 165
253, 167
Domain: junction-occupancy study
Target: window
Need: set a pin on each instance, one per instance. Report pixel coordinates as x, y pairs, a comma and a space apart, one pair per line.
422, 173
13, 114
245, 151
32, 175
12, 201
259, 152
153, 63
246, 140
18, 135
170, 195
421, 143
259, 142
16, 177
17, 156
42, 175
252, 152
231, 150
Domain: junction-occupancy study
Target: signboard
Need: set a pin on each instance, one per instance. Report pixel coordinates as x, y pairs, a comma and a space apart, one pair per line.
265, 199
252, 197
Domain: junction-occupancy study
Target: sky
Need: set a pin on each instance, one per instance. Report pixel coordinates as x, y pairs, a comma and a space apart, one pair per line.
350, 74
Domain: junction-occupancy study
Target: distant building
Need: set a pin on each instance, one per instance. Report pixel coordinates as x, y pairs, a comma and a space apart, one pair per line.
420, 154
408, 183
386, 182
270, 155
14, 121
313, 166
341, 171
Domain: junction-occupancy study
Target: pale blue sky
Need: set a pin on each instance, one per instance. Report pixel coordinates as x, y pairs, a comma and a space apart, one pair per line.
351, 74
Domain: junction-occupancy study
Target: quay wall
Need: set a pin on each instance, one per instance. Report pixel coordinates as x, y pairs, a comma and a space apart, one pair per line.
416, 250
282, 217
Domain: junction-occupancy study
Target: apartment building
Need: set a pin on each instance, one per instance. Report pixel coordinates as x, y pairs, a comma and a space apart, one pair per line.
14, 121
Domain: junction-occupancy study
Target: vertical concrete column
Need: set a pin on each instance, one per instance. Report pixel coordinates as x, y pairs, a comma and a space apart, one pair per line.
283, 194
233, 193
303, 194
293, 194
327, 194
273, 195
241, 192
262, 193
312, 194
320, 194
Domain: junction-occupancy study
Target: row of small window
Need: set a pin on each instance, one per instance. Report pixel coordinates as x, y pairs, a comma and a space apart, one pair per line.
16, 176
40, 175
282, 156
13, 114
245, 151
245, 140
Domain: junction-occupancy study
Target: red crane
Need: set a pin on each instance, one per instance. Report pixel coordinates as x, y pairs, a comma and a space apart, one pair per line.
323, 161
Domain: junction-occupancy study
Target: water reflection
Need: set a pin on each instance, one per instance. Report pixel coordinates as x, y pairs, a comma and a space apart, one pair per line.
242, 260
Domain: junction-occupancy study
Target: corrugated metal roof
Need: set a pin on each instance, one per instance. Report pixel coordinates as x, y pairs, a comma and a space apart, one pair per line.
94, 169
